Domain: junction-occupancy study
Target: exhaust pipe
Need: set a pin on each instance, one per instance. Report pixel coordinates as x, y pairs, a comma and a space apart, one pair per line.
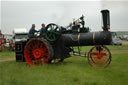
106, 20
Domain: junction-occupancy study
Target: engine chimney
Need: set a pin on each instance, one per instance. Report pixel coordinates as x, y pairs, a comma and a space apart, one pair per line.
106, 20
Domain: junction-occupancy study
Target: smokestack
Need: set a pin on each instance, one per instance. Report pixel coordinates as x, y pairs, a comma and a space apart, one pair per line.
106, 20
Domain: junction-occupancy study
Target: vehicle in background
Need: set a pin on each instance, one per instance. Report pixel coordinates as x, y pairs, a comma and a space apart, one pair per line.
1, 42
116, 41
124, 37
114, 34
20, 34
127, 38
7, 37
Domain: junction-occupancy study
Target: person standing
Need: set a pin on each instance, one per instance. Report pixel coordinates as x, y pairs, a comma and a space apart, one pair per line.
82, 21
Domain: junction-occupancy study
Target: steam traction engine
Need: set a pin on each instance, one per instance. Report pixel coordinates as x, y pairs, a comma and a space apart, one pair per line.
58, 42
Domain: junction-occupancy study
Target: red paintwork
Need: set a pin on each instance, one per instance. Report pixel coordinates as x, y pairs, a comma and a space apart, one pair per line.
98, 54
1, 41
36, 52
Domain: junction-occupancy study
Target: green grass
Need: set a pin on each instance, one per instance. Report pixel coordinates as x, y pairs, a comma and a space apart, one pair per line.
6, 53
73, 71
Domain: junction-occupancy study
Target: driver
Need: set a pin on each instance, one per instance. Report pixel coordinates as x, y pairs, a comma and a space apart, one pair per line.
82, 21
32, 32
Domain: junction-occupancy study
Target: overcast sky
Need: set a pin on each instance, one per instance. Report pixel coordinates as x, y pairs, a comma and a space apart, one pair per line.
22, 14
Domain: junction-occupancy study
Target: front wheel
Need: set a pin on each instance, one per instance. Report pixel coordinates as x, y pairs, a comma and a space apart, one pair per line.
99, 56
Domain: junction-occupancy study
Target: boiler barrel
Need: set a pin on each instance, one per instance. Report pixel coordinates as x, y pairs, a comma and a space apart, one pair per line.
90, 38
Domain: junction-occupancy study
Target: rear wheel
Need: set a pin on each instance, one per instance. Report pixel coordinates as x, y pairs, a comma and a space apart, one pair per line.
37, 51
99, 56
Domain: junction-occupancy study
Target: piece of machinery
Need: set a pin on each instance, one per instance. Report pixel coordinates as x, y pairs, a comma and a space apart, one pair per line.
20, 36
1, 40
58, 43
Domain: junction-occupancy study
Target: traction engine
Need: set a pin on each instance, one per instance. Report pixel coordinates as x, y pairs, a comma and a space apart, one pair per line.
59, 43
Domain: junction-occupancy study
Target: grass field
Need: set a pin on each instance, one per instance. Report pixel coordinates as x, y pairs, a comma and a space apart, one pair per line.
73, 71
